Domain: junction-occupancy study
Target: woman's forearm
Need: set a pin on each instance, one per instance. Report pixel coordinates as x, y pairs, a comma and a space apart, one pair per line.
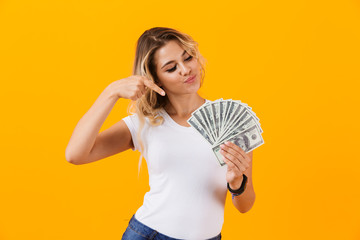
88, 127
244, 201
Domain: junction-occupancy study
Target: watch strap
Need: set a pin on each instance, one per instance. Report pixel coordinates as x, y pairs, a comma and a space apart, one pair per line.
239, 191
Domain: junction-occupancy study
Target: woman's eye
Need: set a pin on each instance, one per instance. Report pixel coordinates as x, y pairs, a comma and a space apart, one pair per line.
174, 68
171, 69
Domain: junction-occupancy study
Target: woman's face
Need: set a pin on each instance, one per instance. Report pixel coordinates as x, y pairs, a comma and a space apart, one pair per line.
174, 66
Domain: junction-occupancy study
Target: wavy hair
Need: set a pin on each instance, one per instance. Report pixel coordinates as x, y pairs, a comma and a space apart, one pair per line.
151, 102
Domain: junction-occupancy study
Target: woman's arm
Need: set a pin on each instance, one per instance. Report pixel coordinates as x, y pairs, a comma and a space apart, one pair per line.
239, 163
86, 144
245, 201
87, 129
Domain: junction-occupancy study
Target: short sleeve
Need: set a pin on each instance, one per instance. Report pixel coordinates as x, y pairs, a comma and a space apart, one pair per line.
132, 122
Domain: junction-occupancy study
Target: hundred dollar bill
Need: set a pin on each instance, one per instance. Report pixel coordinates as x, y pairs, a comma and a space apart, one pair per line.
223, 106
227, 120
215, 107
250, 109
195, 124
240, 123
196, 114
208, 111
201, 121
248, 140
205, 115
238, 110
248, 123
228, 110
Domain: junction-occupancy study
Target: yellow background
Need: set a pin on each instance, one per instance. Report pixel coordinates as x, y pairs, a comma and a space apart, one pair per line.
296, 63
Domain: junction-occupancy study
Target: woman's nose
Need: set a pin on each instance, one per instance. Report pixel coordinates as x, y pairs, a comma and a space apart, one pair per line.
185, 69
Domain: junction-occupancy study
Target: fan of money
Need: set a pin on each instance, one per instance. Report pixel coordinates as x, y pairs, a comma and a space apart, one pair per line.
221, 120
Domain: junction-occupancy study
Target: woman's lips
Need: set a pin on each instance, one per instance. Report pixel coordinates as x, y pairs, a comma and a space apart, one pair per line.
190, 79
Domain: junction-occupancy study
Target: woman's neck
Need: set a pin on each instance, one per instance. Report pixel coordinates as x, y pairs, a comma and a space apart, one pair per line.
183, 106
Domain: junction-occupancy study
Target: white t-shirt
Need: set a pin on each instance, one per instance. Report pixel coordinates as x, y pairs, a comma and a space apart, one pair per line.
188, 186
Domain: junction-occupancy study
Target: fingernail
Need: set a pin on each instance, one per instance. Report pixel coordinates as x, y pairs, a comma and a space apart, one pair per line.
163, 93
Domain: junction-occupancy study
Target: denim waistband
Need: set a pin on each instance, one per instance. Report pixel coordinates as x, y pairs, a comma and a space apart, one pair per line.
148, 232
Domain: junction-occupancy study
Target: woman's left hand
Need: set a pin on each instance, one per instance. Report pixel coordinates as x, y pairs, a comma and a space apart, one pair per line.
237, 163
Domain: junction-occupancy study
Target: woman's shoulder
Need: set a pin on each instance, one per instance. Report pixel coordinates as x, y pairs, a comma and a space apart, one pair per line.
148, 120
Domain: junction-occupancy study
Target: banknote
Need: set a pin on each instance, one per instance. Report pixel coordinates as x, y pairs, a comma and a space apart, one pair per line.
198, 127
227, 120
247, 140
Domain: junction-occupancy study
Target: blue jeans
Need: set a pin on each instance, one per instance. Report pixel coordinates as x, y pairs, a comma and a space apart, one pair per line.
139, 231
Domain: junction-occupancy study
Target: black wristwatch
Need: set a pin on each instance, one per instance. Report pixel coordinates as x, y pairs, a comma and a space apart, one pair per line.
240, 190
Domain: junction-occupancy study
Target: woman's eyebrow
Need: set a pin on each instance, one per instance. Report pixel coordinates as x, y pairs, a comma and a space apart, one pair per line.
172, 60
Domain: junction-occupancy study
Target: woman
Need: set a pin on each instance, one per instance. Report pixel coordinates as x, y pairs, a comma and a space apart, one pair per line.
188, 187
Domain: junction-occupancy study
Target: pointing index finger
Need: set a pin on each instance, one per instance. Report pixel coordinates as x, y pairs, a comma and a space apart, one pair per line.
154, 87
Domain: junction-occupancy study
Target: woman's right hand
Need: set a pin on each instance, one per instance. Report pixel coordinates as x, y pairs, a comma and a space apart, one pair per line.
133, 87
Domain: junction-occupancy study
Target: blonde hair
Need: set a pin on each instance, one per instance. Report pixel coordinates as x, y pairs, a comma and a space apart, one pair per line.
151, 102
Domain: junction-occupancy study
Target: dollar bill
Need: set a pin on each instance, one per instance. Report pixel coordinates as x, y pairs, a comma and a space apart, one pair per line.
216, 112
198, 127
247, 140
201, 121
227, 120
